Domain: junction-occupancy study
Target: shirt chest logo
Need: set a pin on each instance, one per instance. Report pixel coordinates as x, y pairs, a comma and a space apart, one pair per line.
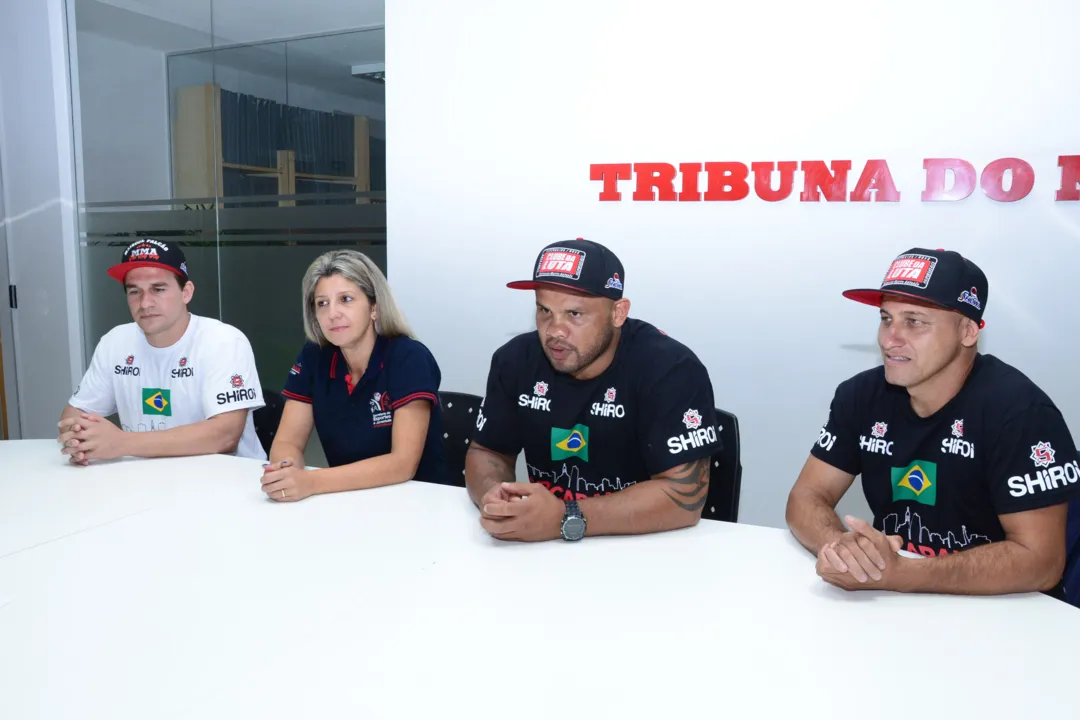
128, 367
608, 408
956, 444
538, 400
182, 370
381, 414
877, 443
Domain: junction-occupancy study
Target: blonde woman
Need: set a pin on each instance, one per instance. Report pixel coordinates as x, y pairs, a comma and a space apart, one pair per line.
362, 381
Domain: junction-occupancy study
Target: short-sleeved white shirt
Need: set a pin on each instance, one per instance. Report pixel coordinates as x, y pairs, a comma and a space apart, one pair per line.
208, 371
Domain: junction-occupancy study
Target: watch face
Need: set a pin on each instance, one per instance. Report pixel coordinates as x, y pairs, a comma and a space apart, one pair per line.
574, 528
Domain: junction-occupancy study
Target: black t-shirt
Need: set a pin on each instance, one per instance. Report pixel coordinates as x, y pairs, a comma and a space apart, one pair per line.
1000, 446
651, 410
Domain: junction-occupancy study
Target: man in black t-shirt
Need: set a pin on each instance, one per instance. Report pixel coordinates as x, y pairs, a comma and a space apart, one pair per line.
966, 464
616, 419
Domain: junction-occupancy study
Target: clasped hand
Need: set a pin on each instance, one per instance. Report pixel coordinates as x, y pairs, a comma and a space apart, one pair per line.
89, 436
522, 511
861, 559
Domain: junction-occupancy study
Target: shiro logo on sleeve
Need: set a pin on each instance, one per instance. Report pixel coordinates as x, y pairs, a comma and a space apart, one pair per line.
697, 437
239, 394
1050, 477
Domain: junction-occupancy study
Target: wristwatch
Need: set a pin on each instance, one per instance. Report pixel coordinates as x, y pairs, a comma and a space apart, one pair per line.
573, 524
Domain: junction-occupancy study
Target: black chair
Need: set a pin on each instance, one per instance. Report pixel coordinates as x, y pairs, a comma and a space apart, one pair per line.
268, 417
459, 411
725, 477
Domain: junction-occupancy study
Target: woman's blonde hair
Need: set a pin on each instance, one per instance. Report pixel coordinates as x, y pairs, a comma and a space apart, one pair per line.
357, 268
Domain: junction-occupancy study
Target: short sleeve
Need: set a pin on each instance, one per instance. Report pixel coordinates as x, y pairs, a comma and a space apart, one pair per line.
838, 443
678, 418
232, 382
497, 425
1033, 464
96, 393
300, 382
413, 375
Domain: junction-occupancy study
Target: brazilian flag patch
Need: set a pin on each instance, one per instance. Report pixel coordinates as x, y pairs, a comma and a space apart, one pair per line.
156, 402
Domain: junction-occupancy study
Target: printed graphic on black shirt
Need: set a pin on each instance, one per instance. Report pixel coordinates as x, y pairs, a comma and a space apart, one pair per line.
650, 411
1000, 446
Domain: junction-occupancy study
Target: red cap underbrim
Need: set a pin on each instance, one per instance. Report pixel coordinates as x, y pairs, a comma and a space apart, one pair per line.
874, 297
534, 285
119, 272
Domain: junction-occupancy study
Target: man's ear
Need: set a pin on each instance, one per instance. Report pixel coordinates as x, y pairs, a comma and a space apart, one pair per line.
188, 291
619, 312
969, 332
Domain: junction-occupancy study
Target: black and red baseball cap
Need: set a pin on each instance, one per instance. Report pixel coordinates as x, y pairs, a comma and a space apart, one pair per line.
152, 253
943, 278
580, 265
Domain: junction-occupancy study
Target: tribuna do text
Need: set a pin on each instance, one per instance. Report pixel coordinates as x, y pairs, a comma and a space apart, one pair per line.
947, 179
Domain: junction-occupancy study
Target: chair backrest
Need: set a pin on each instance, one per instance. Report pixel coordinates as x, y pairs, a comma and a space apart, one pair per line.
725, 477
1071, 579
268, 417
459, 412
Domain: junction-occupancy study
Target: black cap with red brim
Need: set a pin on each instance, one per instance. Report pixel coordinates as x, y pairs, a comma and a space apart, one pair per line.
579, 266
150, 253
943, 278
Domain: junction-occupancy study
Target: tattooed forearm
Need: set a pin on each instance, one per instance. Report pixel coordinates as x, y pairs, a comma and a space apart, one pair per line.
688, 484
484, 469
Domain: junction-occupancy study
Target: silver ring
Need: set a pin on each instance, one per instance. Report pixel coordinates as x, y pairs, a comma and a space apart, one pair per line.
282, 494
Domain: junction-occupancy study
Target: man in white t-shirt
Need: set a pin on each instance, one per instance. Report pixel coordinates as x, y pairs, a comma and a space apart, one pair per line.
190, 379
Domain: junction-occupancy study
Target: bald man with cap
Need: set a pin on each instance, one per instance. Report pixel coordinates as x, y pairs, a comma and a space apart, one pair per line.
615, 418
181, 384
967, 466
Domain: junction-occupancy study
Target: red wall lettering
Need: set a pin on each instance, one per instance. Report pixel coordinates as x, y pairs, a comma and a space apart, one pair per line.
818, 178
1070, 178
658, 176
947, 180
727, 181
963, 179
763, 179
689, 172
610, 175
875, 177
993, 180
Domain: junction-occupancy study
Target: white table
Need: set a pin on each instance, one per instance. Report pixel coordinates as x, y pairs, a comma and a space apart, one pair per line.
173, 589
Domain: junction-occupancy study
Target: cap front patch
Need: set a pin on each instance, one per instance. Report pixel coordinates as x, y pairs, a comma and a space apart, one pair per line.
910, 270
561, 263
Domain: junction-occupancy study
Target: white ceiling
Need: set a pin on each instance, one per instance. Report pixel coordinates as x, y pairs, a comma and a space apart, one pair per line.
176, 26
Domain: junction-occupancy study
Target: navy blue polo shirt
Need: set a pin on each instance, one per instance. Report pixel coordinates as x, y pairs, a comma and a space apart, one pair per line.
359, 425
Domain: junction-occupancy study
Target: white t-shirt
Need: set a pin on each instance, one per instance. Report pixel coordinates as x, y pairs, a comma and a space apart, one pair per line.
208, 371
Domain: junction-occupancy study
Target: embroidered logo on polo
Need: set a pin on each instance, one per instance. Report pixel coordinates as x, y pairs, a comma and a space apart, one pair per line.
917, 481
156, 401
381, 415
608, 408
572, 443
876, 443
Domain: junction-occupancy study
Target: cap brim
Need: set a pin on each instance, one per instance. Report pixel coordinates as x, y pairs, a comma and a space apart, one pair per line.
874, 297
119, 272
534, 285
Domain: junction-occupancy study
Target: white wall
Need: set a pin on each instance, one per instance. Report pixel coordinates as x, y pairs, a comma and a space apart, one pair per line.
492, 141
